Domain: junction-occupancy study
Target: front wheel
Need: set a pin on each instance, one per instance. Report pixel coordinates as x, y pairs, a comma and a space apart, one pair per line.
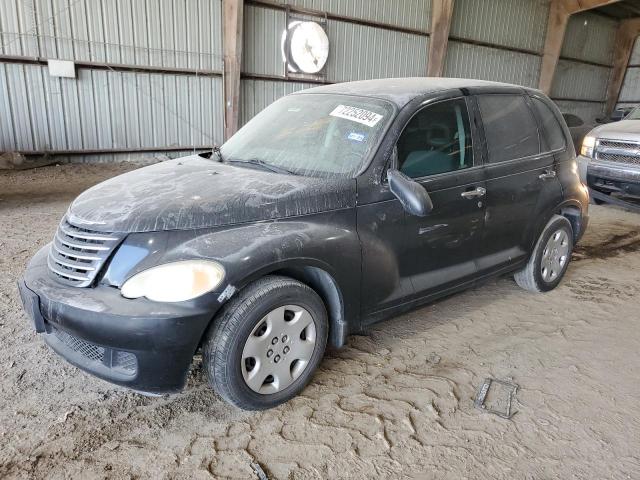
550, 257
266, 344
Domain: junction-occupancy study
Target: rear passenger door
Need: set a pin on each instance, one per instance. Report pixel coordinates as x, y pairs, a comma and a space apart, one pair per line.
520, 177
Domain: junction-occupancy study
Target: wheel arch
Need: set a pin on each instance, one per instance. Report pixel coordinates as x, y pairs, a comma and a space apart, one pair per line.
572, 211
327, 288
317, 277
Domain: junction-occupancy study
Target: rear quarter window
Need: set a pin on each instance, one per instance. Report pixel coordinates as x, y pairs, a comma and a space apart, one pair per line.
550, 126
509, 126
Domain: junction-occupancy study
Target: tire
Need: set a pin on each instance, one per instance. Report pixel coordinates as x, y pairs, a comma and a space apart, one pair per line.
543, 273
254, 337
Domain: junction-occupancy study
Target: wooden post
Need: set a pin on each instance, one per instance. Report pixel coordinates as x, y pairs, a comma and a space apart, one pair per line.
626, 36
559, 13
556, 27
232, 22
441, 13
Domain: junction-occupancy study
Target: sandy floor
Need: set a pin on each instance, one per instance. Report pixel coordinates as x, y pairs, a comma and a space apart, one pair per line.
393, 404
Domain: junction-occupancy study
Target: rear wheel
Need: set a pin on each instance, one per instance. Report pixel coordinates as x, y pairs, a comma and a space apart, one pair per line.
266, 344
550, 257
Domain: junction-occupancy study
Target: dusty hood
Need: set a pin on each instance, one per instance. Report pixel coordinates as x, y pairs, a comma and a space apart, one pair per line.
622, 130
193, 192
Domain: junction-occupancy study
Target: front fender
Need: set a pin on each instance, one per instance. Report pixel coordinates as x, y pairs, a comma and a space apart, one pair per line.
327, 241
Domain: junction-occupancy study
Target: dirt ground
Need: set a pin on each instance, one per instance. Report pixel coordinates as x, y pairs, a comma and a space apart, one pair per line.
396, 403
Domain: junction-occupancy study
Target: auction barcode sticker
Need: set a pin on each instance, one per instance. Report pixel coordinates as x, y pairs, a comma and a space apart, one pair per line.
370, 119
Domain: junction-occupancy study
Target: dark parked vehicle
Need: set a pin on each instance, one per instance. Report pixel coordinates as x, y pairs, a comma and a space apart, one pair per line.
620, 113
578, 129
332, 209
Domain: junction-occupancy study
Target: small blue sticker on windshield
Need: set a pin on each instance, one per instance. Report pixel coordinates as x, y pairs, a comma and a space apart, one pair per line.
356, 137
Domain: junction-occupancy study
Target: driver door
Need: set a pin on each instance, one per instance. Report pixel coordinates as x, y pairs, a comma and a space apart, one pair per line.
436, 150
436, 252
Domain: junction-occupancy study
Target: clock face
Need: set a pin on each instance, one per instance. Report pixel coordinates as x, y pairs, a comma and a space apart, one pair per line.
308, 47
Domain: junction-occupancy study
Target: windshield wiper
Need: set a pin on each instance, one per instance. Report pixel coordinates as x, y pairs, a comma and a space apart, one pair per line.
218, 152
263, 164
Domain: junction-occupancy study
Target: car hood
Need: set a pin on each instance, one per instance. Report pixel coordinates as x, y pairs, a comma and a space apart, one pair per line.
622, 130
194, 192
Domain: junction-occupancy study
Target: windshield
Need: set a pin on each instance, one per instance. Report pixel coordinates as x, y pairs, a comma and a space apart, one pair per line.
312, 135
634, 114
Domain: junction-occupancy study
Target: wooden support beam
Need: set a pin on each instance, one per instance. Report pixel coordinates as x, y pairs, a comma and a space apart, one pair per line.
559, 13
232, 22
441, 13
627, 33
576, 6
556, 26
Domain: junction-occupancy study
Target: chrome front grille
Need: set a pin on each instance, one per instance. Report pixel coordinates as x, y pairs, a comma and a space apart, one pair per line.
619, 151
618, 144
77, 254
611, 157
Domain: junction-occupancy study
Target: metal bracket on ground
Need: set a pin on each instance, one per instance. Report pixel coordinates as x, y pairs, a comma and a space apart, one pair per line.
259, 471
483, 391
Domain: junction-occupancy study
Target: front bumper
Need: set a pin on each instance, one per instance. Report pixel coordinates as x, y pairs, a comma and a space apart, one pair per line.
610, 176
140, 344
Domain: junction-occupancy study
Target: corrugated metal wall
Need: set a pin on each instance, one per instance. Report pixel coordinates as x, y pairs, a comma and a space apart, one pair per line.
510, 23
503, 40
108, 107
356, 51
156, 107
582, 75
590, 37
160, 33
630, 93
473, 61
106, 110
414, 14
359, 52
580, 81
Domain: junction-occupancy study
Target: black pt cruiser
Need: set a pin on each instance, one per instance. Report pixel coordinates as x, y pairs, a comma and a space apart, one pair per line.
332, 209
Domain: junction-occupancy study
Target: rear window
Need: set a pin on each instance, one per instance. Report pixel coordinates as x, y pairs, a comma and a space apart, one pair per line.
509, 126
550, 125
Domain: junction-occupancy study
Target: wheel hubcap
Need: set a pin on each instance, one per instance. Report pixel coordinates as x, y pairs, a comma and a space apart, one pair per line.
555, 255
278, 349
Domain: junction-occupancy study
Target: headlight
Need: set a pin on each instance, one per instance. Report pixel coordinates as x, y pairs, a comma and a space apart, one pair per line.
175, 282
588, 144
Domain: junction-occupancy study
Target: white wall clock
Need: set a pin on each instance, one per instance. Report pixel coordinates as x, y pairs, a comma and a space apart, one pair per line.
305, 47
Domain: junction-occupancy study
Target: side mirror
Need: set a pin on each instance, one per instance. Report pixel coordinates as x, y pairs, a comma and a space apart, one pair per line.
413, 197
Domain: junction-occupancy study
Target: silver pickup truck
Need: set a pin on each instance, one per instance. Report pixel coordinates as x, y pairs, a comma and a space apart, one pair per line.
609, 159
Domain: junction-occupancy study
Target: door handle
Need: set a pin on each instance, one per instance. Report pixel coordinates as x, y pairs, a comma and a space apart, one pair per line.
477, 192
547, 174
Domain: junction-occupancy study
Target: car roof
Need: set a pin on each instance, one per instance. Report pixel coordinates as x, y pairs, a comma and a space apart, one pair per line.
402, 90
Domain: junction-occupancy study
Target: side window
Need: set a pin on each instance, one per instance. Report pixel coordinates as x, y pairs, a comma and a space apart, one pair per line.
509, 127
436, 140
550, 125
